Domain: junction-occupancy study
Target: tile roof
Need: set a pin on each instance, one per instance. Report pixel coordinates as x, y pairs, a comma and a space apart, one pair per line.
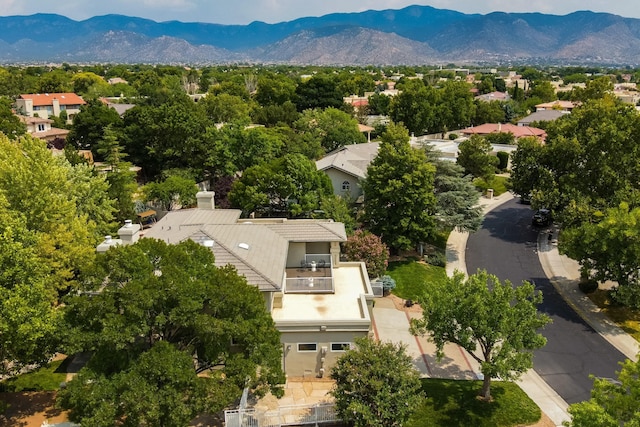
47, 98
517, 131
258, 249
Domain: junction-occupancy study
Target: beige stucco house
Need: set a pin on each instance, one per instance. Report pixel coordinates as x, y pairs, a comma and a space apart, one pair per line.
319, 304
41, 128
46, 105
347, 166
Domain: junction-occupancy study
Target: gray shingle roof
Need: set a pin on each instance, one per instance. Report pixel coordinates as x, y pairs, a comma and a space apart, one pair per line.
353, 159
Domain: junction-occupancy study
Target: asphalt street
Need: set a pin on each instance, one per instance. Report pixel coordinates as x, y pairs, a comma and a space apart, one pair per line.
506, 246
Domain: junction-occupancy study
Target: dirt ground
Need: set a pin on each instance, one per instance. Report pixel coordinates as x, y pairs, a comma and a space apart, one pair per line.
30, 409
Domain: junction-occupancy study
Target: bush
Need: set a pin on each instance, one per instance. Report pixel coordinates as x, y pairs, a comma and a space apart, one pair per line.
629, 296
367, 247
453, 136
388, 283
588, 286
438, 259
503, 157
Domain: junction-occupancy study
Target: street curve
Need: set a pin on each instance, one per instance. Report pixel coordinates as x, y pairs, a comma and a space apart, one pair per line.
506, 246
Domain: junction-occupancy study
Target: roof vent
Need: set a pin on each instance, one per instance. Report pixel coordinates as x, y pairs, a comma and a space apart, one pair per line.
208, 243
243, 246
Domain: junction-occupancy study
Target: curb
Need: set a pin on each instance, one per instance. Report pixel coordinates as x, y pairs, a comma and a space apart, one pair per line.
583, 306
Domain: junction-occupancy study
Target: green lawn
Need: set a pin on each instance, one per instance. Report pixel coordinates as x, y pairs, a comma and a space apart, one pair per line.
413, 277
499, 184
43, 379
453, 403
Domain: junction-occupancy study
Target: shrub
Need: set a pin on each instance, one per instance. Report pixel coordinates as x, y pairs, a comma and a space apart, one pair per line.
503, 157
453, 136
588, 286
438, 259
367, 247
388, 283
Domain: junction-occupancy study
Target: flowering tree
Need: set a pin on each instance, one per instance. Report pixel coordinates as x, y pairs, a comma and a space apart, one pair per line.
367, 247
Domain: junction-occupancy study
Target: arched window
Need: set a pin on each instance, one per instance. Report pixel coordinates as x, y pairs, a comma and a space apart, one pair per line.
346, 186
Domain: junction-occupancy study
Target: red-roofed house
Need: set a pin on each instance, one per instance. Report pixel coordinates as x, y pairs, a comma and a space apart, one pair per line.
517, 131
49, 104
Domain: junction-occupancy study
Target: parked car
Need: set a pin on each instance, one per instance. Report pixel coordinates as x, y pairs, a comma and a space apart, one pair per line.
542, 217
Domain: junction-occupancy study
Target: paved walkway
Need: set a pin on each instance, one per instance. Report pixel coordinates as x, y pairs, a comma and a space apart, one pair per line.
392, 324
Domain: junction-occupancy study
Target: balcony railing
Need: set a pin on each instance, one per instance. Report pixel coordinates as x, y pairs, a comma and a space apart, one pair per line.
309, 285
283, 416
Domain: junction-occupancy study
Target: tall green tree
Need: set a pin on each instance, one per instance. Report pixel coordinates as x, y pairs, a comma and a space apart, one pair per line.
175, 190
166, 136
28, 314
320, 91
415, 107
121, 179
376, 385
332, 127
457, 200
288, 186
158, 315
608, 248
10, 124
497, 324
399, 200
474, 155
66, 206
613, 403
88, 126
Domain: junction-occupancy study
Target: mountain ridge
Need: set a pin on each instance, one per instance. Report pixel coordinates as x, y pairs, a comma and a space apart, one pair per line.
412, 35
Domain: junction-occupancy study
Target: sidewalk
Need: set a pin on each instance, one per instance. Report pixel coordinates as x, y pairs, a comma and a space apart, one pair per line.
564, 273
536, 388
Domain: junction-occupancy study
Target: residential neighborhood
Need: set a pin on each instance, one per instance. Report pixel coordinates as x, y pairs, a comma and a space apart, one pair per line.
290, 244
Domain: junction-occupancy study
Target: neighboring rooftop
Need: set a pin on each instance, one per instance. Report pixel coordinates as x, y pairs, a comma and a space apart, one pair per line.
542, 116
353, 159
47, 98
517, 131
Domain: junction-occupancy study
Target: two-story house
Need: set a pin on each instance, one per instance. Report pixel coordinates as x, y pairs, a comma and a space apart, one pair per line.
46, 105
41, 128
319, 303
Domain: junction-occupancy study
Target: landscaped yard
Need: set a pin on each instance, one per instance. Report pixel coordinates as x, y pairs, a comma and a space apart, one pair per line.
413, 278
454, 403
499, 184
47, 378
626, 318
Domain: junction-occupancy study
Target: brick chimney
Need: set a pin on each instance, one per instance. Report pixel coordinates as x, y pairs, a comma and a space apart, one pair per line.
205, 200
129, 233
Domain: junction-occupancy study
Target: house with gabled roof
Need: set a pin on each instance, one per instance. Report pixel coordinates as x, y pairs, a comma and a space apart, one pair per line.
41, 128
347, 166
319, 303
46, 105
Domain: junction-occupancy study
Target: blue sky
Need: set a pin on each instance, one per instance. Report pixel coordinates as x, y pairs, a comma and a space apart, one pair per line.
246, 11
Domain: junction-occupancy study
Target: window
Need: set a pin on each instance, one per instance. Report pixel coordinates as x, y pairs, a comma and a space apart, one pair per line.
346, 186
308, 347
40, 127
340, 346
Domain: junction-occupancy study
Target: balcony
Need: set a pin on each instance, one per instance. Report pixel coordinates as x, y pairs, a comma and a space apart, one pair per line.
314, 275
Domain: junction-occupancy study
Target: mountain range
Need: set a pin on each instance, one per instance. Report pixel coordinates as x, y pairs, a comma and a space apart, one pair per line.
412, 35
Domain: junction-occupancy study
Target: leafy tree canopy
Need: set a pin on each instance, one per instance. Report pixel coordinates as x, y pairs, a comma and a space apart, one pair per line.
332, 127
376, 385
287, 186
494, 322
399, 200
613, 403
158, 315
